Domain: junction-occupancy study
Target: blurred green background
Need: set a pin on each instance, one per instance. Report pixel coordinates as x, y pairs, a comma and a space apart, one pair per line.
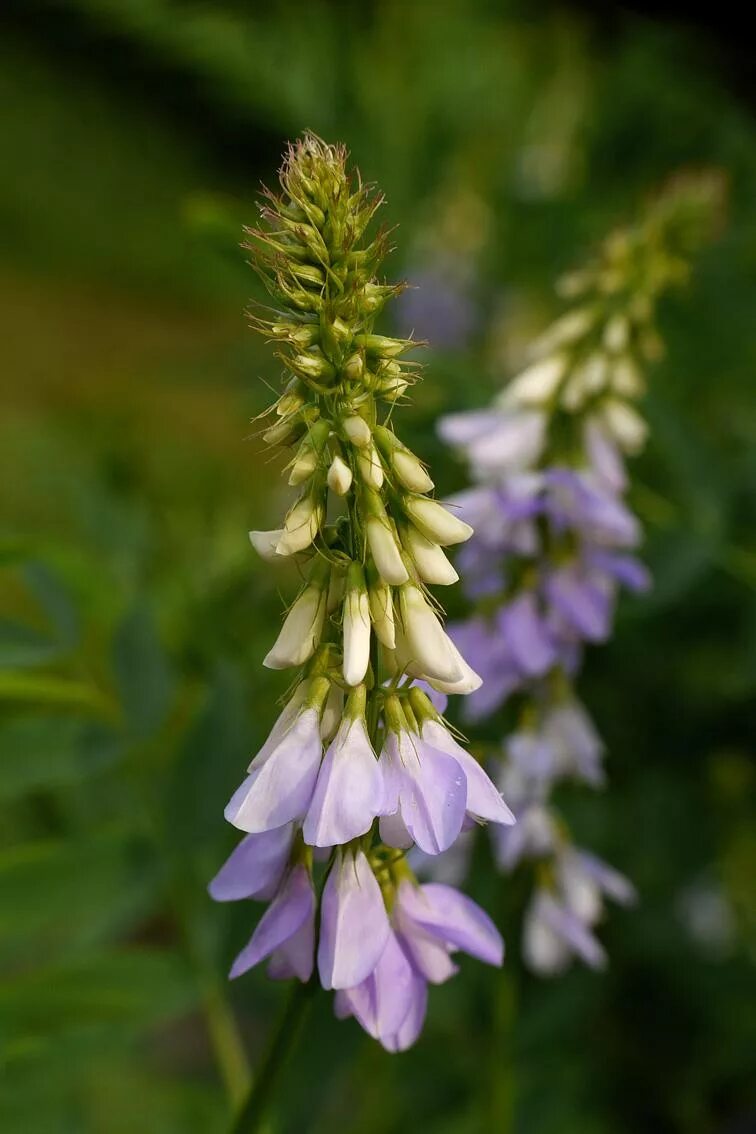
508, 138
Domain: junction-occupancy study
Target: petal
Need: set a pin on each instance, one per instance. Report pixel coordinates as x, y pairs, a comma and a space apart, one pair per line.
451, 916
381, 1002
255, 867
295, 957
413, 1021
286, 915
281, 789
430, 957
432, 794
354, 926
285, 720
483, 798
348, 792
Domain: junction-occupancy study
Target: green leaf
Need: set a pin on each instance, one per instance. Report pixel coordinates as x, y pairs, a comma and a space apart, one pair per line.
55, 601
44, 689
130, 987
52, 750
143, 674
56, 893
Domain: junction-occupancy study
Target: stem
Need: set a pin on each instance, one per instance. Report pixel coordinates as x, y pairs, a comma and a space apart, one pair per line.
283, 1040
502, 1075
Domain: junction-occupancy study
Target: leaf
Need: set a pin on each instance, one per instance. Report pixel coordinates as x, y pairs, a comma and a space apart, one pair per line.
144, 677
52, 750
49, 690
22, 645
56, 892
55, 601
129, 987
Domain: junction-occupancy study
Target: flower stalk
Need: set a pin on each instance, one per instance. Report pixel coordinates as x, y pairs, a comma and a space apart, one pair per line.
360, 764
553, 546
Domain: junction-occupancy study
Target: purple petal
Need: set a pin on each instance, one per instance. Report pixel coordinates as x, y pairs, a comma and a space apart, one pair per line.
526, 635
291, 909
255, 868
432, 793
349, 790
483, 799
609, 880
381, 1002
413, 1021
354, 926
280, 790
451, 916
586, 606
295, 957
572, 931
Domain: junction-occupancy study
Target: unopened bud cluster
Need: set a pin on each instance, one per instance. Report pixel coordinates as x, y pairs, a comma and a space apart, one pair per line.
360, 762
553, 545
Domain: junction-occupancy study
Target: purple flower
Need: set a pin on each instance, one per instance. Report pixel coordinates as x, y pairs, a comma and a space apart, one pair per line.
434, 921
286, 931
553, 935
497, 441
390, 1003
349, 789
484, 801
354, 926
526, 635
255, 868
426, 787
279, 788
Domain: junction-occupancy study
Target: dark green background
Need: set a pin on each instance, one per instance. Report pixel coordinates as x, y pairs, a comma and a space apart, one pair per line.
508, 138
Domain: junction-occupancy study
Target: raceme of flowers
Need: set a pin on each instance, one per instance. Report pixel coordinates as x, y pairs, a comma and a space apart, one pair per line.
360, 765
554, 542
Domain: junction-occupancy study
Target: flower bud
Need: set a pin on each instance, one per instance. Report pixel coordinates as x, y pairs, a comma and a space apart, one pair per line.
353, 368
308, 456
356, 626
369, 464
357, 430
430, 561
302, 524
339, 476
383, 544
625, 424
303, 625
537, 384
381, 603
425, 640
435, 522
407, 467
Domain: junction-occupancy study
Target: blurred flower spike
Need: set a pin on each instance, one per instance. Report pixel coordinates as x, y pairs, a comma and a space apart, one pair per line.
554, 543
360, 764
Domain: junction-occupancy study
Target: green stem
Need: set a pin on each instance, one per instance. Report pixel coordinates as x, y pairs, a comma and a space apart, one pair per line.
254, 1109
502, 1072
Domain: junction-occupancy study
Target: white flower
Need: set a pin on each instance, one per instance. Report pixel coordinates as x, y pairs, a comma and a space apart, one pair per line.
357, 430
435, 522
537, 384
625, 424
385, 550
425, 640
381, 603
300, 633
356, 627
339, 476
369, 463
301, 525
265, 543
431, 563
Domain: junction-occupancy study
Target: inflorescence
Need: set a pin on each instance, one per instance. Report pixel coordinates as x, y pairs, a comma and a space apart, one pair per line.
360, 765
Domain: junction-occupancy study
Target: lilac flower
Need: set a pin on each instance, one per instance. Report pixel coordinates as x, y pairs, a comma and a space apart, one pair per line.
354, 926
429, 924
349, 788
553, 936
497, 440
390, 1002
279, 787
434, 921
255, 868
286, 932
428, 790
